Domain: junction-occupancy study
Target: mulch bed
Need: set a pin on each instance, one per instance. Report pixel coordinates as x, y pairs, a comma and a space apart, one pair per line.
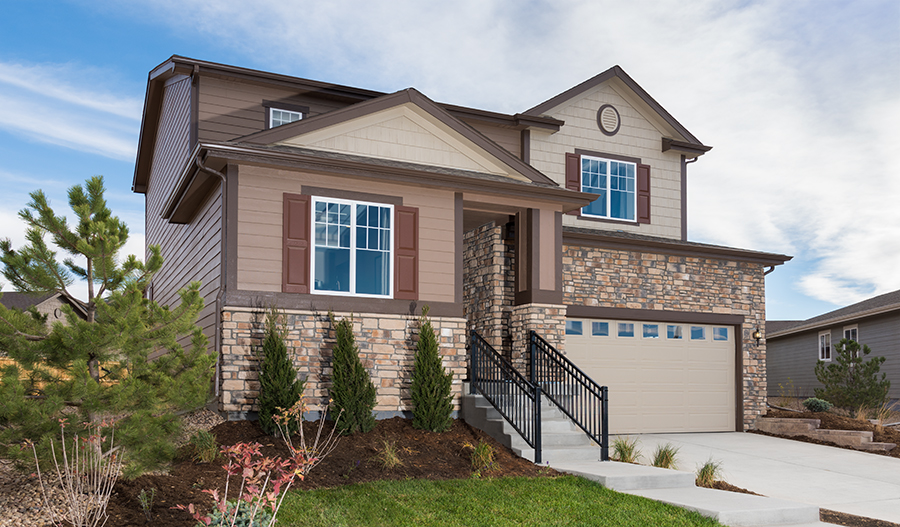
831, 421
425, 455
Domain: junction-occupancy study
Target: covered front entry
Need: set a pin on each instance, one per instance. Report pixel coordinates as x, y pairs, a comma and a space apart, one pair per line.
662, 377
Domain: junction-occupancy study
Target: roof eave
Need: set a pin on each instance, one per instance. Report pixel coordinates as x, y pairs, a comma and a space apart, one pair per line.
802, 328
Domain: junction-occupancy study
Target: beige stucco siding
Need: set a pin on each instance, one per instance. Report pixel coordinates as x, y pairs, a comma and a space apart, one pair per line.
259, 250
191, 252
638, 137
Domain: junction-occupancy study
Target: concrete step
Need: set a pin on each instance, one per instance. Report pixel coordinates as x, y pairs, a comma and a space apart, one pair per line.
810, 428
553, 455
626, 476
734, 509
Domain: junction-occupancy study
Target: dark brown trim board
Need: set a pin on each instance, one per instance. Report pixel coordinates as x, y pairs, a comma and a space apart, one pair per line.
459, 247
195, 107
617, 157
683, 198
325, 303
653, 315
539, 296
738, 377
232, 175
690, 149
350, 194
558, 228
525, 147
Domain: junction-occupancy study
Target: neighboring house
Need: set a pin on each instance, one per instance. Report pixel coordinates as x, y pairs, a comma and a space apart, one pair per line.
569, 219
49, 304
795, 346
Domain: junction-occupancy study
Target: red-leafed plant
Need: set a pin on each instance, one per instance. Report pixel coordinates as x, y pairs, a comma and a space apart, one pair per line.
264, 480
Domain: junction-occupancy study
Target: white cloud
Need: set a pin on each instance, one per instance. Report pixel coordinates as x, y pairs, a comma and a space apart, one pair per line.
799, 99
61, 105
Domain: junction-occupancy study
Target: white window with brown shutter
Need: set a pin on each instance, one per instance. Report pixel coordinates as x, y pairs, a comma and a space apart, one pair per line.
622, 187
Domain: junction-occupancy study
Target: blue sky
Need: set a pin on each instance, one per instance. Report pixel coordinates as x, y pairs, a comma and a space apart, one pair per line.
799, 99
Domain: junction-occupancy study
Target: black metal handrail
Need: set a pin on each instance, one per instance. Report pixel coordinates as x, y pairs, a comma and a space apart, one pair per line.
584, 401
517, 400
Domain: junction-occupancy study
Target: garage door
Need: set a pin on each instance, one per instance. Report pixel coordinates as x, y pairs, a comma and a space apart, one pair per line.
662, 377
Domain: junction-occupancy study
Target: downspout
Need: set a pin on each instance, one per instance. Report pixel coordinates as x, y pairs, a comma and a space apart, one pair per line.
769, 270
222, 277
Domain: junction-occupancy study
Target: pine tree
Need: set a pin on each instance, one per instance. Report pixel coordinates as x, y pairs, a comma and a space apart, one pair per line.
851, 381
431, 397
352, 391
98, 366
279, 387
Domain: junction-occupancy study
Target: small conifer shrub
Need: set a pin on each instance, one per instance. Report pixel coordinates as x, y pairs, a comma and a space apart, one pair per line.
352, 391
432, 401
816, 405
279, 387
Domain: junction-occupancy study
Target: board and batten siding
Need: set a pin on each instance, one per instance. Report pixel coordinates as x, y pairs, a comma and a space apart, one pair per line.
259, 236
792, 358
229, 109
190, 252
637, 138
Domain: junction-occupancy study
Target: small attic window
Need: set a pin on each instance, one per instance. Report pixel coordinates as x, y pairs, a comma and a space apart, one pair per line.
608, 119
279, 113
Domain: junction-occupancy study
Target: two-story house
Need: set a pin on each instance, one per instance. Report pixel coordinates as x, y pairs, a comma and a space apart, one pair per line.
568, 219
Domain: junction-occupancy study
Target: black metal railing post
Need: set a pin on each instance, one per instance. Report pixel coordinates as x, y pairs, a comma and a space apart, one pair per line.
577, 395
537, 424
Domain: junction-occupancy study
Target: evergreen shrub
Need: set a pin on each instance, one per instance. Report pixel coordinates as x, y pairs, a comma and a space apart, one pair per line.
851, 381
352, 391
279, 387
431, 397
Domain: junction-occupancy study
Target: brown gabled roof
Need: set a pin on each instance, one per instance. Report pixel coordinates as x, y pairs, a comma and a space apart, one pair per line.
348, 94
878, 305
617, 72
409, 95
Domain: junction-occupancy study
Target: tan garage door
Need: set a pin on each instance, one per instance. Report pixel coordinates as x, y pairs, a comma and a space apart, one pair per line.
662, 377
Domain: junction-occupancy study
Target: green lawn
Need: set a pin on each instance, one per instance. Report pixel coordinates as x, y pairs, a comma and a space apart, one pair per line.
565, 500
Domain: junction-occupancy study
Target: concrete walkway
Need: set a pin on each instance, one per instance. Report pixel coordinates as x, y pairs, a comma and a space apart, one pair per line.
831, 478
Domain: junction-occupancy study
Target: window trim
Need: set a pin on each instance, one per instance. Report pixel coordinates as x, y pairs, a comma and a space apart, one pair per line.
608, 189
283, 106
821, 348
353, 249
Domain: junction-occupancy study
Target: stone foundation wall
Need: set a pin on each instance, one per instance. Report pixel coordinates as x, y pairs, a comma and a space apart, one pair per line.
488, 285
641, 280
387, 345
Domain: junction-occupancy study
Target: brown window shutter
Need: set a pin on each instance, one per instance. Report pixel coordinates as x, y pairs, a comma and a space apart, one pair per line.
573, 176
643, 193
296, 249
406, 253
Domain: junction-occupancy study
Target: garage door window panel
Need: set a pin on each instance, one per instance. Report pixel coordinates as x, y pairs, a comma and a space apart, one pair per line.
651, 331
625, 329
720, 334
698, 333
674, 332
600, 329
574, 327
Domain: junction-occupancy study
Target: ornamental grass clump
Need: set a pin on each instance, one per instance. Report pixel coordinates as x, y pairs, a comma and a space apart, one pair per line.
709, 473
352, 391
626, 450
279, 386
431, 382
665, 456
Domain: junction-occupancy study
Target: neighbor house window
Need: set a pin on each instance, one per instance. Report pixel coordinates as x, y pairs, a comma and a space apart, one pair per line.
825, 346
278, 117
673, 332
851, 333
600, 329
698, 333
720, 333
353, 247
574, 327
626, 329
614, 183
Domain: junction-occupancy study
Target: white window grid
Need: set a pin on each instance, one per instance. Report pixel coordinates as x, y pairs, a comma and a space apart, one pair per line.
334, 238
278, 117
606, 176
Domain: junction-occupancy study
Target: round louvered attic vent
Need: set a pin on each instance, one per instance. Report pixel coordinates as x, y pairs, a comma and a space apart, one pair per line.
608, 119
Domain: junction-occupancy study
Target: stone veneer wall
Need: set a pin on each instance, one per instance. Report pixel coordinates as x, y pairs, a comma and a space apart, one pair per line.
488, 285
642, 280
387, 345
548, 320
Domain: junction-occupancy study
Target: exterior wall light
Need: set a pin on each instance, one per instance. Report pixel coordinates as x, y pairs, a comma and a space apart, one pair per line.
757, 335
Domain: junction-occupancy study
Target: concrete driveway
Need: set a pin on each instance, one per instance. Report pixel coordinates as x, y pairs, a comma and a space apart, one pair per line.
831, 478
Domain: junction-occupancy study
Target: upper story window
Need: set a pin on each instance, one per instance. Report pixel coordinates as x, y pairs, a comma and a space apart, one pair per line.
279, 117
825, 346
353, 247
615, 184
